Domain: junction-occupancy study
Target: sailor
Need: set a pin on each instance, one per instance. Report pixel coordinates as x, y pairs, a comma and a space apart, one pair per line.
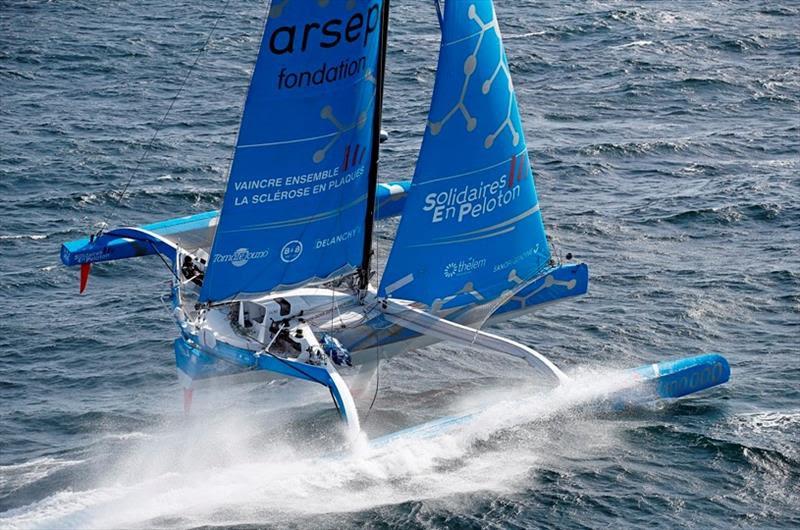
334, 349
191, 271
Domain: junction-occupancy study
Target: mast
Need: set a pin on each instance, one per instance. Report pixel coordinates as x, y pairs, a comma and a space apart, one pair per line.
369, 221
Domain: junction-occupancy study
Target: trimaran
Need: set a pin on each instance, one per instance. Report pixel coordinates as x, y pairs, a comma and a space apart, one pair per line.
279, 279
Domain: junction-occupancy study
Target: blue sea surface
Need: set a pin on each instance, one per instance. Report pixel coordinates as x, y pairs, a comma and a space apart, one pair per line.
665, 141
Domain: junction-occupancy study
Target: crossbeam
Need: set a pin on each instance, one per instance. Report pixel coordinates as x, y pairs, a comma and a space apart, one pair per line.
404, 314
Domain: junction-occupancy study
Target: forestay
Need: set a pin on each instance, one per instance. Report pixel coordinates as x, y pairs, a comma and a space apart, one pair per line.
471, 228
295, 204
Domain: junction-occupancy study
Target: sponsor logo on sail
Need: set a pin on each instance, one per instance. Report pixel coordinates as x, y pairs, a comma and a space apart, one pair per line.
325, 34
316, 36
337, 239
469, 202
516, 259
240, 257
464, 266
291, 251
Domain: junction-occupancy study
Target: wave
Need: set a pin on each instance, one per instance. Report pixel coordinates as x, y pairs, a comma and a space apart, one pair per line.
772, 420
635, 148
16, 476
634, 44
528, 34
23, 236
730, 214
733, 451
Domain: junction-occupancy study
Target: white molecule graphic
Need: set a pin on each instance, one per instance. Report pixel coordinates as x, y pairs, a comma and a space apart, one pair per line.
327, 114
470, 64
549, 281
468, 288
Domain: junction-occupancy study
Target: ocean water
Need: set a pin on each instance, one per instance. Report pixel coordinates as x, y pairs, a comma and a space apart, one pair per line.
665, 139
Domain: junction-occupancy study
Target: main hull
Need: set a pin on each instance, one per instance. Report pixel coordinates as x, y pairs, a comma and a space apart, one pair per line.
214, 349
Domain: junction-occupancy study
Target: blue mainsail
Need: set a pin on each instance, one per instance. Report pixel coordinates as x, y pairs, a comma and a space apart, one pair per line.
471, 229
295, 204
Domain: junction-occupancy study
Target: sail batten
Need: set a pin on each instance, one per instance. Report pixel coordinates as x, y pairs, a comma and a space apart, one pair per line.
472, 231
299, 185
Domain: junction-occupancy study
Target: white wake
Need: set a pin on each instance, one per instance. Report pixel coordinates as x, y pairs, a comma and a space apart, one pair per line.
224, 472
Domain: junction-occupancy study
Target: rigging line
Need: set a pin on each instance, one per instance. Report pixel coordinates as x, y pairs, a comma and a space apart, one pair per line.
377, 345
498, 303
333, 306
274, 337
439, 13
167, 265
172, 104
377, 378
376, 246
284, 361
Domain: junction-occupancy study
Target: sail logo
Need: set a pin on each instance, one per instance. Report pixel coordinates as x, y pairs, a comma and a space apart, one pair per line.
291, 251
516, 259
337, 239
464, 266
289, 39
328, 34
240, 257
470, 202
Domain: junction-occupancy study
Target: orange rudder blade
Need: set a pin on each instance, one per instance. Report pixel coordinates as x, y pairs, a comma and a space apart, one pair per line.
85, 269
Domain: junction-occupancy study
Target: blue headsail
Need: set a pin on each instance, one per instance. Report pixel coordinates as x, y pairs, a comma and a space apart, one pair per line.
295, 204
471, 230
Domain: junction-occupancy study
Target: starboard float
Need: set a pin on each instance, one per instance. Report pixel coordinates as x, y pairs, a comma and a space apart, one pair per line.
279, 280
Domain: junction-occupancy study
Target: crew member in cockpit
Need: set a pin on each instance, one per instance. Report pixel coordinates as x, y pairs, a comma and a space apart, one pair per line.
191, 271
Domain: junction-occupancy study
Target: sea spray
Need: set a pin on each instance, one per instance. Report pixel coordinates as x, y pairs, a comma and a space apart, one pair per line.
246, 466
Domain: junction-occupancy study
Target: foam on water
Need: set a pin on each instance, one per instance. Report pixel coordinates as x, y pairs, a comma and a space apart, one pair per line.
217, 471
24, 236
15, 476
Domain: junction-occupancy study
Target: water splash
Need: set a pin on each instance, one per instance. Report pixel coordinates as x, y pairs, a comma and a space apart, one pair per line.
15, 476
229, 470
